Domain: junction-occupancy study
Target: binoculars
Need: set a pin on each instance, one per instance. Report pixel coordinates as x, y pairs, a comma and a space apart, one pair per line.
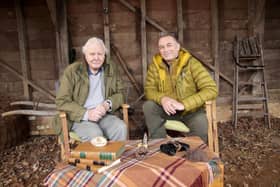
172, 147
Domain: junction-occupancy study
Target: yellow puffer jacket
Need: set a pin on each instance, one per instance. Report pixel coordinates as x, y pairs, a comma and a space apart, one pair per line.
186, 80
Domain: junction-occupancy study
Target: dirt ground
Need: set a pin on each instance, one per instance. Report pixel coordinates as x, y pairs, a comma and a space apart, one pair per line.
251, 154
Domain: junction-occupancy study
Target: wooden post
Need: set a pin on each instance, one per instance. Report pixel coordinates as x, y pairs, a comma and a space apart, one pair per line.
125, 68
65, 151
213, 141
53, 14
62, 27
143, 40
215, 128
215, 39
25, 66
106, 28
52, 9
210, 125
180, 21
125, 117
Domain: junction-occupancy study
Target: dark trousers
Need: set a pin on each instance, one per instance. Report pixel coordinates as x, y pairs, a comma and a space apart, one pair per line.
155, 118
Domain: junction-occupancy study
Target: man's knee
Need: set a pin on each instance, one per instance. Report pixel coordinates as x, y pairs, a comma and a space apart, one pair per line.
89, 133
121, 127
151, 107
120, 130
198, 124
87, 130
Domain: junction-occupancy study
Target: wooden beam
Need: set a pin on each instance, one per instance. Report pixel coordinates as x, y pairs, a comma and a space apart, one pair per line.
53, 14
25, 66
149, 20
52, 9
125, 68
30, 112
62, 27
125, 118
40, 89
34, 104
106, 28
212, 68
143, 40
180, 21
223, 76
215, 39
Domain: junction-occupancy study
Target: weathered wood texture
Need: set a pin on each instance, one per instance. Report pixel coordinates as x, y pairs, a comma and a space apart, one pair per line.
272, 43
85, 19
40, 46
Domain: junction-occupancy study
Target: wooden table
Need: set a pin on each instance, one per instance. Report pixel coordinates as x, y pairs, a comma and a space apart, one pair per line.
157, 169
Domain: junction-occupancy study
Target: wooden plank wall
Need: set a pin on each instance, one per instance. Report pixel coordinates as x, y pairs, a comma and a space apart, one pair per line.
272, 43
233, 20
9, 50
85, 19
40, 47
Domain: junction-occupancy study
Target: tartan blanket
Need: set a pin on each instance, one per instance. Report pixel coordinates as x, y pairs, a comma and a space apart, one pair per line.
156, 169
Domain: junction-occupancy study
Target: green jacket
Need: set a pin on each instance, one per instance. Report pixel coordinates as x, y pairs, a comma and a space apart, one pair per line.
74, 89
186, 80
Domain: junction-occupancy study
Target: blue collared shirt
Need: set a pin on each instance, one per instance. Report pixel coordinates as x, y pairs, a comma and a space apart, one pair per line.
95, 96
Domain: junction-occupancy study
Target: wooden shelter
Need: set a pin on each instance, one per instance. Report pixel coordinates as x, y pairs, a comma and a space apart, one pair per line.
39, 38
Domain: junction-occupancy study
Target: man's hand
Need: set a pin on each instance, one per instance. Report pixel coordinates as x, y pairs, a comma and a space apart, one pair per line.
97, 113
171, 105
106, 105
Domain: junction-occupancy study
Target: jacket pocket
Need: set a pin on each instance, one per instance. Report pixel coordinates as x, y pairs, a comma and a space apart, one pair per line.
185, 85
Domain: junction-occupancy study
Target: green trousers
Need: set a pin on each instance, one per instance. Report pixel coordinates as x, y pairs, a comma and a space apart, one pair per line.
155, 118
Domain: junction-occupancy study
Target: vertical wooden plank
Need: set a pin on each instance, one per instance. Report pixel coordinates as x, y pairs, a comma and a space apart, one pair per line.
25, 66
143, 39
65, 151
251, 14
106, 28
126, 70
209, 115
53, 14
215, 39
180, 21
215, 128
62, 27
125, 117
52, 9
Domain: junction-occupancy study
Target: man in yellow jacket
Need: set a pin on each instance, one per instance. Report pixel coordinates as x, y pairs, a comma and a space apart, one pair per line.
177, 86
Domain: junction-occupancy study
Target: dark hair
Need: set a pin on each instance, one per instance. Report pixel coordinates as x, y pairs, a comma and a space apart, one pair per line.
172, 34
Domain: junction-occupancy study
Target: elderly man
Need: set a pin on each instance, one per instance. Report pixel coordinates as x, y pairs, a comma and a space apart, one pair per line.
89, 91
176, 87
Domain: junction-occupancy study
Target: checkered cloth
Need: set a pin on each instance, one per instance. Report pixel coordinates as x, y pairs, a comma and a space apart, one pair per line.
156, 169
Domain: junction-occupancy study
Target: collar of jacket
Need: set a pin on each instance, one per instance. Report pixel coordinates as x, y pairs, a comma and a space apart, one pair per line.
183, 58
84, 69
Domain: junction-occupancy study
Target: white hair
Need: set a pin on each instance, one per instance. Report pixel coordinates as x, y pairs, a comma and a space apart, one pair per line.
92, 41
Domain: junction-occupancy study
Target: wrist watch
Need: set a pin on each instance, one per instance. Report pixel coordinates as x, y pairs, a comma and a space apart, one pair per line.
110, 104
